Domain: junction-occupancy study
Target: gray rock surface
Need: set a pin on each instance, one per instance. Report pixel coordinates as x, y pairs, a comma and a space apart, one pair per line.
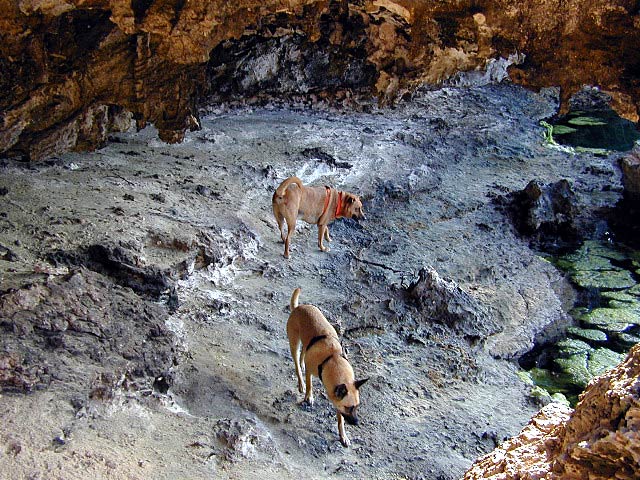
183, 292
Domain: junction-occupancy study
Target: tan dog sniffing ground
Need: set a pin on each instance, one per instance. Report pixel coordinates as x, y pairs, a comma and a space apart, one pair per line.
319, 205
322, 356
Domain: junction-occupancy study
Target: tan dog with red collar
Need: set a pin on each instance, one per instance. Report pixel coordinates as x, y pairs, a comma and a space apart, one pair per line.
319, 205
322, 356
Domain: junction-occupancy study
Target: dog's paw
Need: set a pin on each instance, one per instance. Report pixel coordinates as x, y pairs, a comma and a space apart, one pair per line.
307, 403
345, 441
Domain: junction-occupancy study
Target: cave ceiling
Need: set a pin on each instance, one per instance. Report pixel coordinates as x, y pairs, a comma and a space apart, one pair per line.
71, 72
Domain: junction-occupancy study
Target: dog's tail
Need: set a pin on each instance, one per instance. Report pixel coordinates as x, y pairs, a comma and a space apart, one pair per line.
284, 185
294, 299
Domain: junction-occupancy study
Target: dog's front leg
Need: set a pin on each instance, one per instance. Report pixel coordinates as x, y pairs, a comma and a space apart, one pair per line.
321, 234
343, 434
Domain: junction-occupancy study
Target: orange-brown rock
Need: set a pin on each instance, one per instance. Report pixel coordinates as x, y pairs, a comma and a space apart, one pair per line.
72, 70
599, 440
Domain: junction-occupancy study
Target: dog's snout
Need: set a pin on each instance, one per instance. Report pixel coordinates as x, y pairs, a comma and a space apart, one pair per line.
351, 419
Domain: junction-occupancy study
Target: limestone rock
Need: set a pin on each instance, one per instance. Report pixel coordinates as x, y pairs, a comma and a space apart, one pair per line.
626, 217
631, 175
545, 212
444, 301
71, 68
598, 440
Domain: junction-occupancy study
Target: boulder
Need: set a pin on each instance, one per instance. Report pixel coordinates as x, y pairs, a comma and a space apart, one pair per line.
598, 440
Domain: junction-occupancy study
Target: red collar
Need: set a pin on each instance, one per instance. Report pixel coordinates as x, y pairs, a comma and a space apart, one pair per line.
339, 205
326, 201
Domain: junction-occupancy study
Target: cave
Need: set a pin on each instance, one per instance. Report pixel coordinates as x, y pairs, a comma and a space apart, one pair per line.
492, 149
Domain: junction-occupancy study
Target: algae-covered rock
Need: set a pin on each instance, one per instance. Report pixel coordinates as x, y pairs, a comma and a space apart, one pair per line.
624, 341
587, 334
611, 319
540, 394
594, 248
563, 129
604, 279
573, 370
603, 359
576, 263
550, 381
586, 121
633, 306
591, 267
572, 346
634, 290
560, 398
525, 376
620, 296
577, 312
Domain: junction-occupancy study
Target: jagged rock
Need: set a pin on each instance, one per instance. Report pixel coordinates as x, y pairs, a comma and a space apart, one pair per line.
78, 327
545, 212
443, 301
74, 69
631, 175
626, 217
243, 438
119, 263
598, 440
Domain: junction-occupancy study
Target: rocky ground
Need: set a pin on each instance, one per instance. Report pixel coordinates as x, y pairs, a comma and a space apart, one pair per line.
144, 295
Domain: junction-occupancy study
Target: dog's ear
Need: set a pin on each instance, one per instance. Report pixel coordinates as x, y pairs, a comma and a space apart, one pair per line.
340, 391
359, 383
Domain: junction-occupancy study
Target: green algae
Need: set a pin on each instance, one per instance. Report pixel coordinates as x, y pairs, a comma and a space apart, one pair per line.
584, 262
604, 279
560, 398
619, 296
562, 129
624, 341
592, 247
587, 334
634, 290
525, 376
586, 121
591, 267
603, 359
550, 381
602, 336
573, 371
611, 319
572, 346
633, 306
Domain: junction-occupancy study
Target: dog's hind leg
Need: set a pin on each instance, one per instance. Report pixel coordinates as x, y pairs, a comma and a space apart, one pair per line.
308, 397
294, 345
291, 226
280, 220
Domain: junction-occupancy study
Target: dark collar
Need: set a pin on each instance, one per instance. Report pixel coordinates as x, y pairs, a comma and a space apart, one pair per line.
321, 366
315, 340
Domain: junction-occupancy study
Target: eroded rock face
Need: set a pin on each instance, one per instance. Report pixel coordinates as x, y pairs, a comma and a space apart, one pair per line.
599, 440
73, 71
442, 300
98, 331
